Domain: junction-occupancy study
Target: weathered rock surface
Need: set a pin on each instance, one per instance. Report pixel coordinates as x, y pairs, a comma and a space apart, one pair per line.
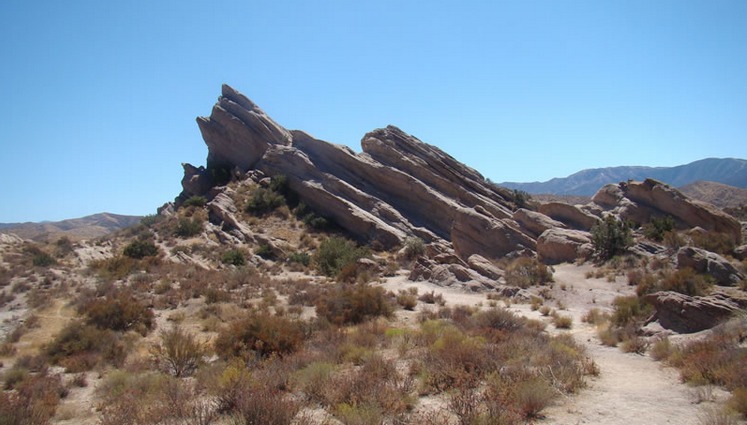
641, 201
711, 263
238, 132
571, 215
534, 222
563, 245
686, 314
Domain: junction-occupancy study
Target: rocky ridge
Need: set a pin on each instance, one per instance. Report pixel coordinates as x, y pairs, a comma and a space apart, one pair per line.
400, 187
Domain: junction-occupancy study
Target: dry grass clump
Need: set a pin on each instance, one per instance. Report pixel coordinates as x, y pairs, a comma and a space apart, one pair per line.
259, 334
351, 304
525, 272
33, 400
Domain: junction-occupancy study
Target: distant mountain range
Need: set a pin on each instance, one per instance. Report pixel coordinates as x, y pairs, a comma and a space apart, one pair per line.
729, 171
88, 227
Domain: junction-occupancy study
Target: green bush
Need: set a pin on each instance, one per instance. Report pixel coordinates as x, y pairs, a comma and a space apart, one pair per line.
264, 201
335, 253
188, 227
195, 201
265, 251
259, 334
525, 272
79, 347
139, 249
657, 227
611, 237
414, 248
234, 257
43, 259
118, 312
628, 310
300, 258
353, 304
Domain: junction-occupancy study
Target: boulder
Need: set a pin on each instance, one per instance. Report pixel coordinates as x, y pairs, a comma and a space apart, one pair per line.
666, 200
740, 252
483, 266
571, 215
685, 314
703, 261
534, 222
196, 180
563, 245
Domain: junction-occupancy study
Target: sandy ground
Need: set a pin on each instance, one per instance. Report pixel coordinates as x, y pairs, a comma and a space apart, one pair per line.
630, 389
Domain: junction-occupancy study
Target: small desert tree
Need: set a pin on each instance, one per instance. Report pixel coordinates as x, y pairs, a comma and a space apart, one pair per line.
179, 352
611, 237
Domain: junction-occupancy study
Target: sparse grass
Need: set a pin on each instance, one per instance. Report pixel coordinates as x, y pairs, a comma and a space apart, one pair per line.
562, 322
525, 272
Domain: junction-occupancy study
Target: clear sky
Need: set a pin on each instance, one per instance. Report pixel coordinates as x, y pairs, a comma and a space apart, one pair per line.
98, 98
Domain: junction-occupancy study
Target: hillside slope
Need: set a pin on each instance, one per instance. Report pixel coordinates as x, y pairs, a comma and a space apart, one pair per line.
87, 227
730, 171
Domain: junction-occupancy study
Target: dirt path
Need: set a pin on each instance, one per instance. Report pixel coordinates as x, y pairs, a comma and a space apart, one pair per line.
630, 389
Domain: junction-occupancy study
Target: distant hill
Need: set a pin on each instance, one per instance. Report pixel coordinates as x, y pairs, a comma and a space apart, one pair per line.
729, 171
718, 194
88, 227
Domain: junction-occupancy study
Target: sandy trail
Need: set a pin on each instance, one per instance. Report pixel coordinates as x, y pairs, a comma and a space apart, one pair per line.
630, 389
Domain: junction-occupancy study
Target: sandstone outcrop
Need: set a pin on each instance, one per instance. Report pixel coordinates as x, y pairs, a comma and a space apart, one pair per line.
703, 261
563, 245
573, 216
639, 202
686, 314
534, 222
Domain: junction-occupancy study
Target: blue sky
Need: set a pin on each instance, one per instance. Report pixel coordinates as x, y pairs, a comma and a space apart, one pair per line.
98, 99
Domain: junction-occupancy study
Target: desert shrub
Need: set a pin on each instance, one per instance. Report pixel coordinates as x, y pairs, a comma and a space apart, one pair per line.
720, 243
33, 402
610, 237
661, 349
335, 253
264, 201
595, 317
738, 401
259, 335
43, 259
119, 311
314, 380
685, 281
114, 268
234, 257
414, 248
453, 360
350, 304
261, 405
188, 227
265, 251
407, 299
79, 347
178, 353
634, 344
628, 310
195, 201
525, 272
562, 322
151, 219
718, 359
300, 258
139, 249
432, 298
657, 227
521, 198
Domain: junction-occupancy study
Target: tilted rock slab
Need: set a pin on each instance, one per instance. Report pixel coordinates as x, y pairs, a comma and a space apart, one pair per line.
703, 261
397, 187
685, 314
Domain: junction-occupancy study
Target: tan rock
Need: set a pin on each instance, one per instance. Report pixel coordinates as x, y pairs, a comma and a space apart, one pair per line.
573, 216
686, 314
563, 245
536, 223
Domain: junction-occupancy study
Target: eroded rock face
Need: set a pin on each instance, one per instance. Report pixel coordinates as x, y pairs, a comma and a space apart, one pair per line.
535, 222
238, 132
571, 215
640, 201
563, 245
686, 314
703, 261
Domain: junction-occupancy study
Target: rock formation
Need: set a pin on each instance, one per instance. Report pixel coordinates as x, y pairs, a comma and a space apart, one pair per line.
686, 314
400, 187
